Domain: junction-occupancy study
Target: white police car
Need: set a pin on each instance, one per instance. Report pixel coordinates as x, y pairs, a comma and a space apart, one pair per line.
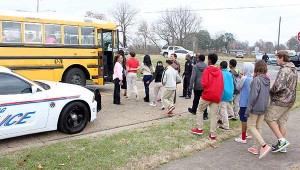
28, 107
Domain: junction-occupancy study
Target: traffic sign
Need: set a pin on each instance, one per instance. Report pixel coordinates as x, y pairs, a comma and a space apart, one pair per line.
299, 36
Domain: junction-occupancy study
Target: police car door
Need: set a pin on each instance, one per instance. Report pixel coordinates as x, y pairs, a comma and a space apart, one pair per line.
23, 106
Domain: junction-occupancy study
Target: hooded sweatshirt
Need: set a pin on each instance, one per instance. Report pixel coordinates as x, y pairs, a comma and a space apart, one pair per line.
283, 91
244, 84
170, 78
259, 95
228, 86
212, 83
197, 76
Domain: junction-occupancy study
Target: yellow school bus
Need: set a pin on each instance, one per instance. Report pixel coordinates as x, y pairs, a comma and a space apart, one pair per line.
49, 47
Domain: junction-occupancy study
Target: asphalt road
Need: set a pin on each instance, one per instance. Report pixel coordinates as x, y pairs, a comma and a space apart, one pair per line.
110, 117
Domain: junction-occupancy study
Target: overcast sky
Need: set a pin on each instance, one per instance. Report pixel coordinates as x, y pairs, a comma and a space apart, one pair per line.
246, 24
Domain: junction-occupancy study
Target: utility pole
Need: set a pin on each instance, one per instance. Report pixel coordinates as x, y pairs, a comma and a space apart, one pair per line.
37, 5
279, 33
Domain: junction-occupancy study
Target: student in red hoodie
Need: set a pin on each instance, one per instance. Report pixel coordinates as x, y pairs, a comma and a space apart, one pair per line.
213, 85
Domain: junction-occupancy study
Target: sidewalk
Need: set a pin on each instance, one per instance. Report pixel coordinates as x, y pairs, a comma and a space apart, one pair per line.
232, 155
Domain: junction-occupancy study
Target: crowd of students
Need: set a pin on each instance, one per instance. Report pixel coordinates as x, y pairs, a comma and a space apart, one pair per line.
228, 93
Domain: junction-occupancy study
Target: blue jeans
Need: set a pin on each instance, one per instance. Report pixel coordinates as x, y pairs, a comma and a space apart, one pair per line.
145, 79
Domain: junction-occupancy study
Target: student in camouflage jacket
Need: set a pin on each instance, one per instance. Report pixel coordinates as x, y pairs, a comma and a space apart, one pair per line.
283, 96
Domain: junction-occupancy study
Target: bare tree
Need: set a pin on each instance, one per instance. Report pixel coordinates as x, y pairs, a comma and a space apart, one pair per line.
269, 47
143, 31
124, 14
147, 34
178, 25
95, 15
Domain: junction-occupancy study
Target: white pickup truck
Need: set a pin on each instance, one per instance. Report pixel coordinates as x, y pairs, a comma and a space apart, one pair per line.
166, 51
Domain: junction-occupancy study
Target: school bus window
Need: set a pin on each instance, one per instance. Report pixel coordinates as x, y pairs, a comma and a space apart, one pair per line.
87, 36
33, 33
71, 35
11, 32
53, 34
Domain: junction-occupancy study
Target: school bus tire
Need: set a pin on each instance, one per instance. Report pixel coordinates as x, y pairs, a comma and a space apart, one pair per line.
75, 76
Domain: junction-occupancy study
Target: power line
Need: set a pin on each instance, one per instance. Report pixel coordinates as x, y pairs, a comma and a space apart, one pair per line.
229, 8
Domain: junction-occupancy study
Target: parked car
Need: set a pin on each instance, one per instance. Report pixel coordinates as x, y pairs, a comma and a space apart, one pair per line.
28, 107
272, 59
166, 51
182, 53
295, 59
239, 55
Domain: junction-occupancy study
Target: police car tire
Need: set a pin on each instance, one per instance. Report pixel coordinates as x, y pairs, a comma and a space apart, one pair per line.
63, 122
73, 71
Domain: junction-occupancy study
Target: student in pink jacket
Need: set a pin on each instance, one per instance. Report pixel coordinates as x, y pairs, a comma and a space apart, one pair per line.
117, 77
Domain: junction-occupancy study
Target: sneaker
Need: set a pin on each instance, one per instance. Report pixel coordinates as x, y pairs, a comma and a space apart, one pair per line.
128, 98
182, 96
233, 119
253, 151
264, 151
223, 128
284, 150
152, 104
191, 111
170, 109
137, 97
188, 97
158, 100
230, 117
240, 140
197, 131
163, 108
280, 146
212, 137
205, 118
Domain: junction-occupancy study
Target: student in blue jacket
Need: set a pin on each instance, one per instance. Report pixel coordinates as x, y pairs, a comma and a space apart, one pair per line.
227, 96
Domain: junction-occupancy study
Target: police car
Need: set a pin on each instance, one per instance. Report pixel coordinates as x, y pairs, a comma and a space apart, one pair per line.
28, 107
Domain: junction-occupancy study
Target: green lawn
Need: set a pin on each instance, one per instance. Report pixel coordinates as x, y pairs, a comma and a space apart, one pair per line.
297, 103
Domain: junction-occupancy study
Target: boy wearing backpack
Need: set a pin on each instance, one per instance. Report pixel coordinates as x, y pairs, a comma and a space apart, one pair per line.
236, 94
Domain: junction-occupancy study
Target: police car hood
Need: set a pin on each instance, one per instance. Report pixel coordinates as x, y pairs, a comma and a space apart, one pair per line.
65, 88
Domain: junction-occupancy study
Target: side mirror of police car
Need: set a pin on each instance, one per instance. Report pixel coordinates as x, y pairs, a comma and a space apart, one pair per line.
34, 89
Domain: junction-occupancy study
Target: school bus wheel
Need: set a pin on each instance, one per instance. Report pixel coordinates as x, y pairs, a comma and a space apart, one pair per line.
75, 76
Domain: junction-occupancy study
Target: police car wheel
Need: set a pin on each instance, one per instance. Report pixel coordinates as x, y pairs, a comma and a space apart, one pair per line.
73, 118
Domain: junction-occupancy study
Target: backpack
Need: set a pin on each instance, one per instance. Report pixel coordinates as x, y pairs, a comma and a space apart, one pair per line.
235, 81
